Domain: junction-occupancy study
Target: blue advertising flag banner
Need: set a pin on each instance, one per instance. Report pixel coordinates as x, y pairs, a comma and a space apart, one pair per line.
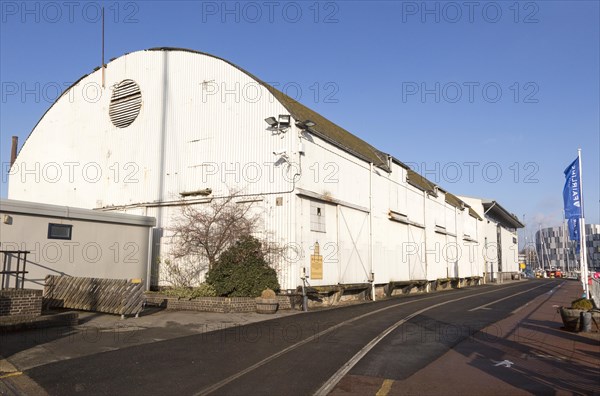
572, 191
573, 228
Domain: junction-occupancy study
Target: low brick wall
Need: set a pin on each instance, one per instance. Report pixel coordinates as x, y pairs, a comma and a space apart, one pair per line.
20, 302
211, 304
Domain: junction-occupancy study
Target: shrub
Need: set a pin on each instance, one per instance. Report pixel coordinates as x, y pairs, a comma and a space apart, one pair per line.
268, 294
204, 290
582, 303
242, 271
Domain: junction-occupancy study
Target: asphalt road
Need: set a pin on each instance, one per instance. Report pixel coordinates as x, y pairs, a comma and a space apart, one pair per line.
296, 355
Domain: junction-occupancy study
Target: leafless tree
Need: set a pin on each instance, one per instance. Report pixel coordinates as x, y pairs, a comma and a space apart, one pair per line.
183, 273
202, 233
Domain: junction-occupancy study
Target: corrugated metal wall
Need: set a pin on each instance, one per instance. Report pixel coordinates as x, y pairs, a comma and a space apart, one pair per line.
201, 126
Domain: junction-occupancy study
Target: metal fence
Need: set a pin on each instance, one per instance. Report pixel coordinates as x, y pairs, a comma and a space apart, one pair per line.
13, 259
595, 291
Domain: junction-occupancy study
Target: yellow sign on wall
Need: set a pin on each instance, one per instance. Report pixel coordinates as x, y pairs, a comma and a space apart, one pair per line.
316, 263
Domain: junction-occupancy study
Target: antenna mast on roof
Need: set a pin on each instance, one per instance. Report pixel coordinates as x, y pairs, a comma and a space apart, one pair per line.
102, 47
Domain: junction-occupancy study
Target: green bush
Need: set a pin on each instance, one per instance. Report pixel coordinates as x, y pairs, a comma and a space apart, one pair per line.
582, 303
204, 290
241, 271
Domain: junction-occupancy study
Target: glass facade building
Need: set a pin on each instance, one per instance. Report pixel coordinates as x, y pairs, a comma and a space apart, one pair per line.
555, 249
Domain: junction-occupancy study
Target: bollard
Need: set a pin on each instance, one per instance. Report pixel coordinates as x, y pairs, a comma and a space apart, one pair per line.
586, 322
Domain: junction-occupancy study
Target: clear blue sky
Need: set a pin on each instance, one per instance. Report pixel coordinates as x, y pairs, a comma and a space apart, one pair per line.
420, 81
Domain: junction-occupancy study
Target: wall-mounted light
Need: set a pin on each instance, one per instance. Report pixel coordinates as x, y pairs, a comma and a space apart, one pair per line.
305, 124
272, 122
279, 126
284, 121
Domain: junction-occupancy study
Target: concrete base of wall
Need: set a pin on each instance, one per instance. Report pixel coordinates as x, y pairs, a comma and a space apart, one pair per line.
326, 296
322, 296
424, 286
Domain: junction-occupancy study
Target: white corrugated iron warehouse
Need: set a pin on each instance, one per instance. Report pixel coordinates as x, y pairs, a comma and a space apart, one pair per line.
179, 127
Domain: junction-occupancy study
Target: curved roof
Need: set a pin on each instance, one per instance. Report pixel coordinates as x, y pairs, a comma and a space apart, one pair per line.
324, 128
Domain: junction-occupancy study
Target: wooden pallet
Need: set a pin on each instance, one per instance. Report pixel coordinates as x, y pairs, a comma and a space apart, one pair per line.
115, 296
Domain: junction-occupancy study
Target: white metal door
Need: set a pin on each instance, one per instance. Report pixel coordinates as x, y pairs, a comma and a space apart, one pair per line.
353, 237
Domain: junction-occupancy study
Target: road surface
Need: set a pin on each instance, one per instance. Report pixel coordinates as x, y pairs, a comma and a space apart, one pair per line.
301, 354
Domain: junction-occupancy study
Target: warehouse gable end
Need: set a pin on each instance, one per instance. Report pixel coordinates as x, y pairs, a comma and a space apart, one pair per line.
168, 133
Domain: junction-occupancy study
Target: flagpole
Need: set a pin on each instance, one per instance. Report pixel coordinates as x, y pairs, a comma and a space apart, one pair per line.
582, 241
103, 71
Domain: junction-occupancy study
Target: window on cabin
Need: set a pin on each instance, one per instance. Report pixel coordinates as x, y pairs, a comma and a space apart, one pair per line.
60, 231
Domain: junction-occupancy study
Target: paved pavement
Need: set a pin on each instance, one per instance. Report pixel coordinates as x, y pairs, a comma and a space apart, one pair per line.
99, 333
524, 353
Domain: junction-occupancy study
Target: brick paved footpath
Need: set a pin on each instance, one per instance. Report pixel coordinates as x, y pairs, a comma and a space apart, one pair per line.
526, 353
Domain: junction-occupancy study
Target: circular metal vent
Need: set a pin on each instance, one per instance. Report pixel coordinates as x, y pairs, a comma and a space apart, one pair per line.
125, 103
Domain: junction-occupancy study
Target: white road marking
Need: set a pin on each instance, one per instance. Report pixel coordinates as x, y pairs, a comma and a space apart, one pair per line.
328, 386
523, 306
505, 363
518, 309
268, 359
484, 306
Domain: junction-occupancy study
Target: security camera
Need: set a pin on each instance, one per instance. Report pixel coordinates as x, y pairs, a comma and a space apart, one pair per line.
283, 152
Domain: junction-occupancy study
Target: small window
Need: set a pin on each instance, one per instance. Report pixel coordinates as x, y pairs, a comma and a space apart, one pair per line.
59, 231
317, 217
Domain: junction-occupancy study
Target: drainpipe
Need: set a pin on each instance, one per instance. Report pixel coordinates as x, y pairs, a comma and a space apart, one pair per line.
304, 295
491, 264
149, 258
372, 275
456, 263
425, 234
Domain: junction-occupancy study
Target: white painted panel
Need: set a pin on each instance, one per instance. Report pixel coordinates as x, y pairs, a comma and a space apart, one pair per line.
439, 213
510, 254
353, 230
437, 263
470, 226
450, 214
328, 171
390, 258
327, 243
415, 205
415, 253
